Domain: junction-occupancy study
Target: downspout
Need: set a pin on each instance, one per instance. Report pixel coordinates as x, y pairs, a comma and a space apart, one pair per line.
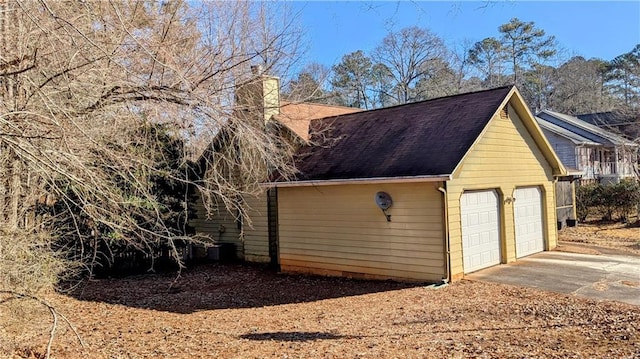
555, 210
447, 251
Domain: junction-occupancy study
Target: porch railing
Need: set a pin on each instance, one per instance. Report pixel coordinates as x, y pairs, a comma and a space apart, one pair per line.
619, 169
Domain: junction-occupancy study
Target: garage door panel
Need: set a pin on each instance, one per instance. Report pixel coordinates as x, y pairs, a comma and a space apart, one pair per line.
480, 230
528, 221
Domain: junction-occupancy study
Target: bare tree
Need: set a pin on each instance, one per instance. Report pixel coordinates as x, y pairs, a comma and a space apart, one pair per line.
537, 86
460, 63
77, 77
410, 54
438, 80
579, 87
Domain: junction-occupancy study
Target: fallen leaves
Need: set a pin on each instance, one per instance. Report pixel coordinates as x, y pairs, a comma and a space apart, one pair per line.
241, 311
233, 311
619, 236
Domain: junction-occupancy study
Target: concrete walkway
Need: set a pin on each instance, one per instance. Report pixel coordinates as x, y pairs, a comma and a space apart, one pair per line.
601, 277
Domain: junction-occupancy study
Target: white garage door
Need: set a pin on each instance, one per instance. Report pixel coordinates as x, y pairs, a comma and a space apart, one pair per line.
528, 221
480, 230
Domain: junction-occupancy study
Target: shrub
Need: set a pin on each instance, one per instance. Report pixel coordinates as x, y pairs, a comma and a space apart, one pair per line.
585, 200
625, 197
613, 201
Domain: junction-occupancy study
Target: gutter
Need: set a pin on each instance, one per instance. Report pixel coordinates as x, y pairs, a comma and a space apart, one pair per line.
371, 180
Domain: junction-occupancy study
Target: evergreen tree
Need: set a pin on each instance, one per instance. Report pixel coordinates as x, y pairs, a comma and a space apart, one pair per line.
623, 77
488, 57
525, 45
352, 80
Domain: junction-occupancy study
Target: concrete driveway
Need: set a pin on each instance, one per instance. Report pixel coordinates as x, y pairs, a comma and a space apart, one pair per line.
601, 277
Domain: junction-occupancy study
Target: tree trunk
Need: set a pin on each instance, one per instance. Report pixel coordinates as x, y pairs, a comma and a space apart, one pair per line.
15, 192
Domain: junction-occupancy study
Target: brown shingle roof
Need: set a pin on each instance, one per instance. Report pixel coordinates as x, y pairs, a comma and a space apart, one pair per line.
426, 138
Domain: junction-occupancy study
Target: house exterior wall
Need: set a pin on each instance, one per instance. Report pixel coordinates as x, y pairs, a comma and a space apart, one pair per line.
255, 229
339, 230
505, 157
251, 239
564, 148
220, 227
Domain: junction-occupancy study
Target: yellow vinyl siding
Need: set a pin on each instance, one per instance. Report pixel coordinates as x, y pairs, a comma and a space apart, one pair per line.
211, 226
504, 157
339, 230
256, 229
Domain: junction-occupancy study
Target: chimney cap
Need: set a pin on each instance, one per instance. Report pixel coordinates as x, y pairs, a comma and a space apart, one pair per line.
257, 70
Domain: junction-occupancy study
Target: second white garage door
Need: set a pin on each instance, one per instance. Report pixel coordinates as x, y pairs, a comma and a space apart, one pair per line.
528, 221
480, 230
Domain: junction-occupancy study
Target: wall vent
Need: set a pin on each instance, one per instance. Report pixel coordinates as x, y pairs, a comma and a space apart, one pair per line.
504, 113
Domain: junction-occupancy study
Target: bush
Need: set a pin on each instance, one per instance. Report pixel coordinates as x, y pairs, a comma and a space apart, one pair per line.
585, 200
625, 196
614, 201
28, 264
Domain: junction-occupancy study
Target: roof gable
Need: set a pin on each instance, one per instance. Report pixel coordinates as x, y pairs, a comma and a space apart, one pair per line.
515, 100
426, 138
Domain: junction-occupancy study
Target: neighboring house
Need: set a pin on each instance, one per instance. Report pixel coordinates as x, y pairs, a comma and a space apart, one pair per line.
627, 123
470, 179
255, 238
596, 153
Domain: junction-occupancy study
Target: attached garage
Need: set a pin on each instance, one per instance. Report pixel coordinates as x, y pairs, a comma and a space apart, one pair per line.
529, 221
480, 230
472, 182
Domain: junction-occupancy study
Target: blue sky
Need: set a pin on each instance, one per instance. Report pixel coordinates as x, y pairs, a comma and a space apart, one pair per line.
602, 29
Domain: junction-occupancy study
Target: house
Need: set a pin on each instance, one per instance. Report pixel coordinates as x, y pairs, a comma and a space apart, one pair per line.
624, 122
254, 237
426, 191
596, 153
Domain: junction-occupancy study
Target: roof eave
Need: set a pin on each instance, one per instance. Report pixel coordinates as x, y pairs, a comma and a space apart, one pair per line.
567, 137
372, 180
536, 132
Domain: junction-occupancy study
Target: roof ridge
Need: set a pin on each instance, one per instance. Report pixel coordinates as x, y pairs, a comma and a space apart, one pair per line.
294, 103
420, 102
594, 113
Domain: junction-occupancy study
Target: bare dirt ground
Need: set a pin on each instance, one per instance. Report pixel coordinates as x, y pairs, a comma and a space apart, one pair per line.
234, 311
